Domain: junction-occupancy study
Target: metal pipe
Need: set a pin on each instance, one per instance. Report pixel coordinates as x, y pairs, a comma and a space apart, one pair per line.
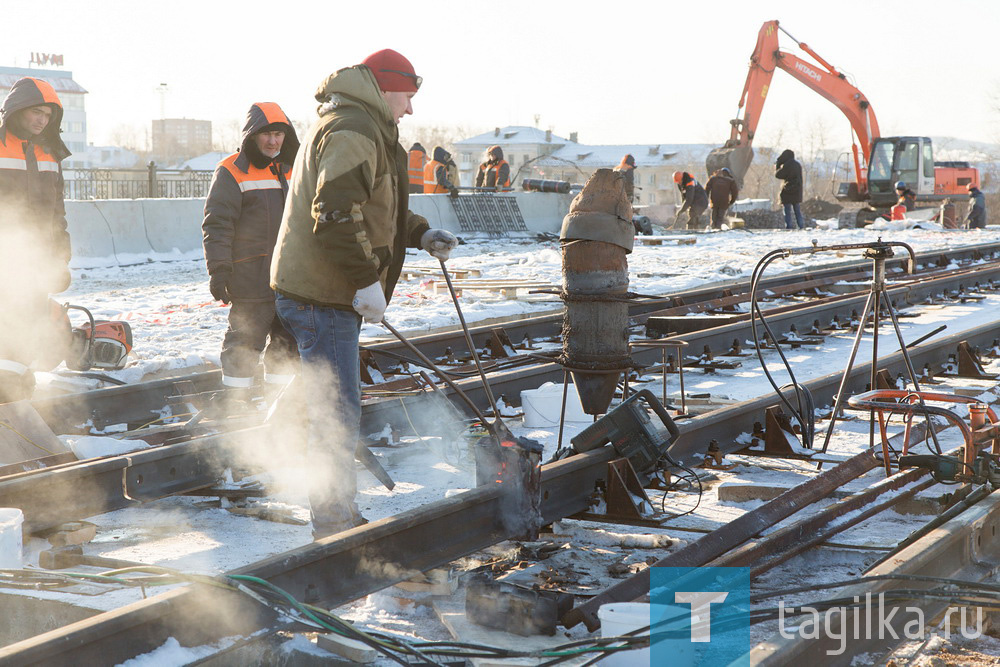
728, 536
433, 367
468, 339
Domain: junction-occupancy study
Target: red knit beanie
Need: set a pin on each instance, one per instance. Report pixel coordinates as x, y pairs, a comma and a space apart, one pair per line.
393, 71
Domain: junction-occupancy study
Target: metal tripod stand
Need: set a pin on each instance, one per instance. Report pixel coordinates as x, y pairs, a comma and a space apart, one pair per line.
878, 298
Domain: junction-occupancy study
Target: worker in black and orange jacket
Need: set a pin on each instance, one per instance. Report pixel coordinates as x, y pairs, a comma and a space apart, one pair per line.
242, 218
495, 172
417, 162
436, 176
34, 243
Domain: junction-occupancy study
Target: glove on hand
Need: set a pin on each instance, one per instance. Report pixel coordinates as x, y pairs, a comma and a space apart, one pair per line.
218, 285
439, 243
369, 302
453, 193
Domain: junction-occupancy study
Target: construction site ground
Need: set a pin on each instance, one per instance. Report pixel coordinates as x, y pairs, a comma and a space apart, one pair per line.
177, 326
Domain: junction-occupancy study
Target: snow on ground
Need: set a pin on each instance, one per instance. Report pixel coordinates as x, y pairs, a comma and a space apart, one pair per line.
176, 323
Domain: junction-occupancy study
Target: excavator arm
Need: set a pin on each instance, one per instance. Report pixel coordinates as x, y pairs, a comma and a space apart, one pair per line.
823, 78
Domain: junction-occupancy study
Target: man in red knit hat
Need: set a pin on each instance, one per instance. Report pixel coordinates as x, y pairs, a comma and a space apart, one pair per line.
340, 250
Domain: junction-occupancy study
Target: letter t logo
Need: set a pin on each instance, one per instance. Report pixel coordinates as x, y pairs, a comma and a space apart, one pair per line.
701, 602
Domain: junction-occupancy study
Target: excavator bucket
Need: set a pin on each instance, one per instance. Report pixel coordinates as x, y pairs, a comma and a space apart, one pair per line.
737, 159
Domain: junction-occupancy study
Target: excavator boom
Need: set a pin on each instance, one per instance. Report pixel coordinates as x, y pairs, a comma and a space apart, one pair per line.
821, 76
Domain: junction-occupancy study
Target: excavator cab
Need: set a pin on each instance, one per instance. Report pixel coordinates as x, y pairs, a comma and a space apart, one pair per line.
907, 159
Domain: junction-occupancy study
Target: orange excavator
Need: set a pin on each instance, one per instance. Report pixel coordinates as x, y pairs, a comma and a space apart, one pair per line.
879, 162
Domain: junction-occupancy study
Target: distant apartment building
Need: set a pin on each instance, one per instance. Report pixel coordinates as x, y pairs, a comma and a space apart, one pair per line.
534, 153
74, 123
181, 138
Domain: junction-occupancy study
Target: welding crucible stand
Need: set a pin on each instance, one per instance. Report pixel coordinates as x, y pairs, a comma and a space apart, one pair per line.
878, 298
678, 345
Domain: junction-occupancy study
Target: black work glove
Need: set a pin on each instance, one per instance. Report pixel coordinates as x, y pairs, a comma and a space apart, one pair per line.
453, 193
218, 285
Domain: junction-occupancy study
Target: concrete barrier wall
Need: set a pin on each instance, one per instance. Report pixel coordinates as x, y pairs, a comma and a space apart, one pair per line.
127, 231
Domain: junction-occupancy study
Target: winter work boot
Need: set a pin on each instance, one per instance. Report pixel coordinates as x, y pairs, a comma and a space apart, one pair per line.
17, 383
322, 530
229, 402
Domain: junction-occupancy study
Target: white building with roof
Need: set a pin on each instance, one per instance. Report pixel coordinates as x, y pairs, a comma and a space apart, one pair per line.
534, 153
74, 122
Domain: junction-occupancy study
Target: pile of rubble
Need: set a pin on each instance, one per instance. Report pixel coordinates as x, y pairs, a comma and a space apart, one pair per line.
819, 209
763, 219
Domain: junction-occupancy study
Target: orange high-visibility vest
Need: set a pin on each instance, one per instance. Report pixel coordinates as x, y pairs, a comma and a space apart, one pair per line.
255, 178
493, 172
416, 170
12, 156
431, 186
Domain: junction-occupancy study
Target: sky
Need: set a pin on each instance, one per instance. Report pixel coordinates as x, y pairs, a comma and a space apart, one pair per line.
632, 72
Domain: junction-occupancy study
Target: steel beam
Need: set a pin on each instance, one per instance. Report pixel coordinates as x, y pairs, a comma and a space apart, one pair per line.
330, 572
52, 496
966, 548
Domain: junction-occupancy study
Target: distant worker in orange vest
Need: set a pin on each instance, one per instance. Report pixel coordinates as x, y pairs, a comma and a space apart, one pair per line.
495, 172
436, 177
418, 158
242, 218
34, 243
627, 169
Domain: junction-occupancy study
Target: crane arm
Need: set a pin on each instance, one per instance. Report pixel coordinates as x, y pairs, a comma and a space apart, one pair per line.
822, 78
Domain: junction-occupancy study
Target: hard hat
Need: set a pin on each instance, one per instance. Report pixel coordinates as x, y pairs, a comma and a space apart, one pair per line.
900, 185
678, 175
970, 187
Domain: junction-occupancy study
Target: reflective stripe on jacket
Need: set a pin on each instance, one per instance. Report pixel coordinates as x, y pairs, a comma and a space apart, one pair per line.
418, 160
431, 183
488, 173
31, 196
242, 219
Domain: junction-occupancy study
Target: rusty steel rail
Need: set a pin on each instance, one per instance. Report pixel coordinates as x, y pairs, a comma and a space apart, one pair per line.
142, 402
329, 572
965, 548
313, 566
721, 425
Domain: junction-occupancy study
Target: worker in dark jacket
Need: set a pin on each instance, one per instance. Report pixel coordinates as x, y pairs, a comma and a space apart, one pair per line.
340, 251
495, 172
788, 169
627, 169
694, 196
417, 159
905, 196
722, 193
977, 208
436, 177
34, 243
242, 218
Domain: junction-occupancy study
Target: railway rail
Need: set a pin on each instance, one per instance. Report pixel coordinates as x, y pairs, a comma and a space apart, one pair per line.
337, 569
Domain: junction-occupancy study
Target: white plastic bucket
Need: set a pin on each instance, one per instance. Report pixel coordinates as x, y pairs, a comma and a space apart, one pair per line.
621, 618
542, 406
11, 519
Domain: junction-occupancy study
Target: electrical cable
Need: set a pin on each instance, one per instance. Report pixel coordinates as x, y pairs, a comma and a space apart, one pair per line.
26, 438
806, 421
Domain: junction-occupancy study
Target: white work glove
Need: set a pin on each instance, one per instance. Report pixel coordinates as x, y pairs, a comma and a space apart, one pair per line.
369, 302
439, 243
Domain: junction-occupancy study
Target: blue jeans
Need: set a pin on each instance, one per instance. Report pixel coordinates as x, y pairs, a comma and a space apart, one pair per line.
798, 216
327, 339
